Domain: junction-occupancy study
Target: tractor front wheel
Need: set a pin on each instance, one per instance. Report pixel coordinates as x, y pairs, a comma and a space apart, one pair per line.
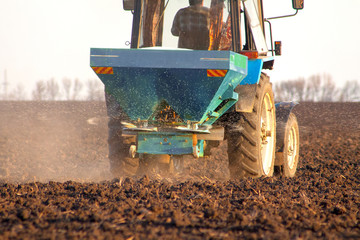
289, 157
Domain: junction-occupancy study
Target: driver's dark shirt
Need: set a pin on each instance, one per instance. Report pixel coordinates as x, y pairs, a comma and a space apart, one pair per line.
192, 25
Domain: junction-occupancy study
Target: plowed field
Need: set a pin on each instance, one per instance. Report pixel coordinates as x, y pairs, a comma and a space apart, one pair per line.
55, 183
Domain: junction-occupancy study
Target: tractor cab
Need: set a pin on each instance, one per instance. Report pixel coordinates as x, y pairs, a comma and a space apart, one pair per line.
215, 25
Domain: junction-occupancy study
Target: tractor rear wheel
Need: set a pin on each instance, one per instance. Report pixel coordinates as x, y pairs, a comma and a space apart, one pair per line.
155, 163
121, 163
161, 164
176, 164
290, 155
251, 136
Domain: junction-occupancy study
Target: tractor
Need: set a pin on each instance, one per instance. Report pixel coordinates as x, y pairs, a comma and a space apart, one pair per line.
193, 77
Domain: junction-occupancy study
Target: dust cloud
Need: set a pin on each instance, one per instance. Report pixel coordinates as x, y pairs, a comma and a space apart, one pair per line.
53, 141
63, 141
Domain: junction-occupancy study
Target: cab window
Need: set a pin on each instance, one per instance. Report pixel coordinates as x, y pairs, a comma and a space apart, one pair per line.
174, 24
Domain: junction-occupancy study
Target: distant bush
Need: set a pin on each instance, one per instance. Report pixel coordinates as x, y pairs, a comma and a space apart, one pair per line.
51, 90
317, 88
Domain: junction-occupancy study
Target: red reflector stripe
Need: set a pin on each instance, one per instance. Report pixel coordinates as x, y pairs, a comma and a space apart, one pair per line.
216, 73
103, 70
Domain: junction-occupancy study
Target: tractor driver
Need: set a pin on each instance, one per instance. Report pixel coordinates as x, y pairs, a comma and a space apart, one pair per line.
191, 25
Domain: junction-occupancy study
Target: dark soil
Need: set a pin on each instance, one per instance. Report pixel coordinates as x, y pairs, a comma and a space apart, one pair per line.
55, 183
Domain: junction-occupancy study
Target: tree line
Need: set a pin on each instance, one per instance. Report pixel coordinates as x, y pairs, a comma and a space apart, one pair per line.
52, 90
316, 88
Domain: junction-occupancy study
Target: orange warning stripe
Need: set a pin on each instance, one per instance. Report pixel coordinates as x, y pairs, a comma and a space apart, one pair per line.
103, 70
216, 73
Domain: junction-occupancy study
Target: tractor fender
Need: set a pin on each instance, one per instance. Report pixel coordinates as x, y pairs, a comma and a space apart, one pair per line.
282, 110
246, 98
247, 88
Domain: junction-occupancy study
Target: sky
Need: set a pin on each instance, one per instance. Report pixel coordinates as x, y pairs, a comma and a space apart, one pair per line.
44, 39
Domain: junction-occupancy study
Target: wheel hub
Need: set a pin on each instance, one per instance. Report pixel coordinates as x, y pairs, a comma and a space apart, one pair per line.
264, 133
267, 134
291, 154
